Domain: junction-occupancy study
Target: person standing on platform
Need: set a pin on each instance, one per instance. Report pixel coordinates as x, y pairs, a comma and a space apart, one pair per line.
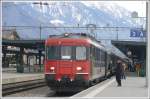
123, 71
119, 69
130, 67
138, 67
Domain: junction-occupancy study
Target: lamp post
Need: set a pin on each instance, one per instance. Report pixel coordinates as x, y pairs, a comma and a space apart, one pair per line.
41, 7
148, 40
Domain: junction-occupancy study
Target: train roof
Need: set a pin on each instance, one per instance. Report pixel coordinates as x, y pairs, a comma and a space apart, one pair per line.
89, 38
115, 51
73, 35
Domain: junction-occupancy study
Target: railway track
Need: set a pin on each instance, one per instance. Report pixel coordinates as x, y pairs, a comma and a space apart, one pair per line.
27, 87
12, 88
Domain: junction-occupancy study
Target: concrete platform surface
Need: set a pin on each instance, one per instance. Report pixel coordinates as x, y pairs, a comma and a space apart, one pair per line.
131, 87
8, 69
19, 77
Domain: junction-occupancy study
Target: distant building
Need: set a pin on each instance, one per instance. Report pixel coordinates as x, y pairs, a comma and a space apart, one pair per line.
10, 35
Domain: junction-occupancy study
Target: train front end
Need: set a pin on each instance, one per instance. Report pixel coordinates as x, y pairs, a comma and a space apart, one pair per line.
66, 64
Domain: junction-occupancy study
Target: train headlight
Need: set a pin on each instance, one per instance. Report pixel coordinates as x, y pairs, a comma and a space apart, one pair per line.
79, 68
66, 34
52, 68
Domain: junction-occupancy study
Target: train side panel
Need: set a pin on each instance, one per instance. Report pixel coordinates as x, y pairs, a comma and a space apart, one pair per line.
98, 63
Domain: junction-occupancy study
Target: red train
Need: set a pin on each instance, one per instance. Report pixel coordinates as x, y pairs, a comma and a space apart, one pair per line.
75, 61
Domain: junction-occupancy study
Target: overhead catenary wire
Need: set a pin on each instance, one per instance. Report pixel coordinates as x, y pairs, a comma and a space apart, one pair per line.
98, 27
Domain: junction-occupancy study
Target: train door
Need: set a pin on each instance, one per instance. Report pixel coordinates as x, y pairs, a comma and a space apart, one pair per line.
91, 60
95, 70
107, 59
114, 60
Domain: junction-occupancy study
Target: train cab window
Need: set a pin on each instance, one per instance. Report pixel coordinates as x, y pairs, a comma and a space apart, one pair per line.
52, 52
81, 53
66, 52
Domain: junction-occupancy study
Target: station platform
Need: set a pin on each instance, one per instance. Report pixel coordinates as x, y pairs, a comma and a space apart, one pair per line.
9, 70
131, 87
13, 77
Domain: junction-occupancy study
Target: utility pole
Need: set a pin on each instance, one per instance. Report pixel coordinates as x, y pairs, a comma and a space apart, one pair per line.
117, 32
40, 31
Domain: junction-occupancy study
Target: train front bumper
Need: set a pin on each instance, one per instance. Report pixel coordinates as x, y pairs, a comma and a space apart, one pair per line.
79, 81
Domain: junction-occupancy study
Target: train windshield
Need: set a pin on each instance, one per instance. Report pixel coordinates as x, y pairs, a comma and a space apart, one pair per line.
52, 52
80, 53
66, 52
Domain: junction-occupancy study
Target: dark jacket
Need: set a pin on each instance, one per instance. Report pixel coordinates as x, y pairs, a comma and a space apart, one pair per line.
119, 70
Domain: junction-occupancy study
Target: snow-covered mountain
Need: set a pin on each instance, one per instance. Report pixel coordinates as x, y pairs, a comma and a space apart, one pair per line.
62, 14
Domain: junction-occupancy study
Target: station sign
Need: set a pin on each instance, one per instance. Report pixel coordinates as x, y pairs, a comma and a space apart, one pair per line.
137, 32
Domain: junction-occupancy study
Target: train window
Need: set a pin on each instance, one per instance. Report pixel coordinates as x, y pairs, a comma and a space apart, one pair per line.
66, 52
52, 52
81, 53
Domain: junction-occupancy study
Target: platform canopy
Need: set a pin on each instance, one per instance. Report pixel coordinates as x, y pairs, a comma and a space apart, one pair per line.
31, 44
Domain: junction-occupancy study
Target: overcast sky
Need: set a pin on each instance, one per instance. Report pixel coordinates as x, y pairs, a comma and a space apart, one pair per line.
139, 6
